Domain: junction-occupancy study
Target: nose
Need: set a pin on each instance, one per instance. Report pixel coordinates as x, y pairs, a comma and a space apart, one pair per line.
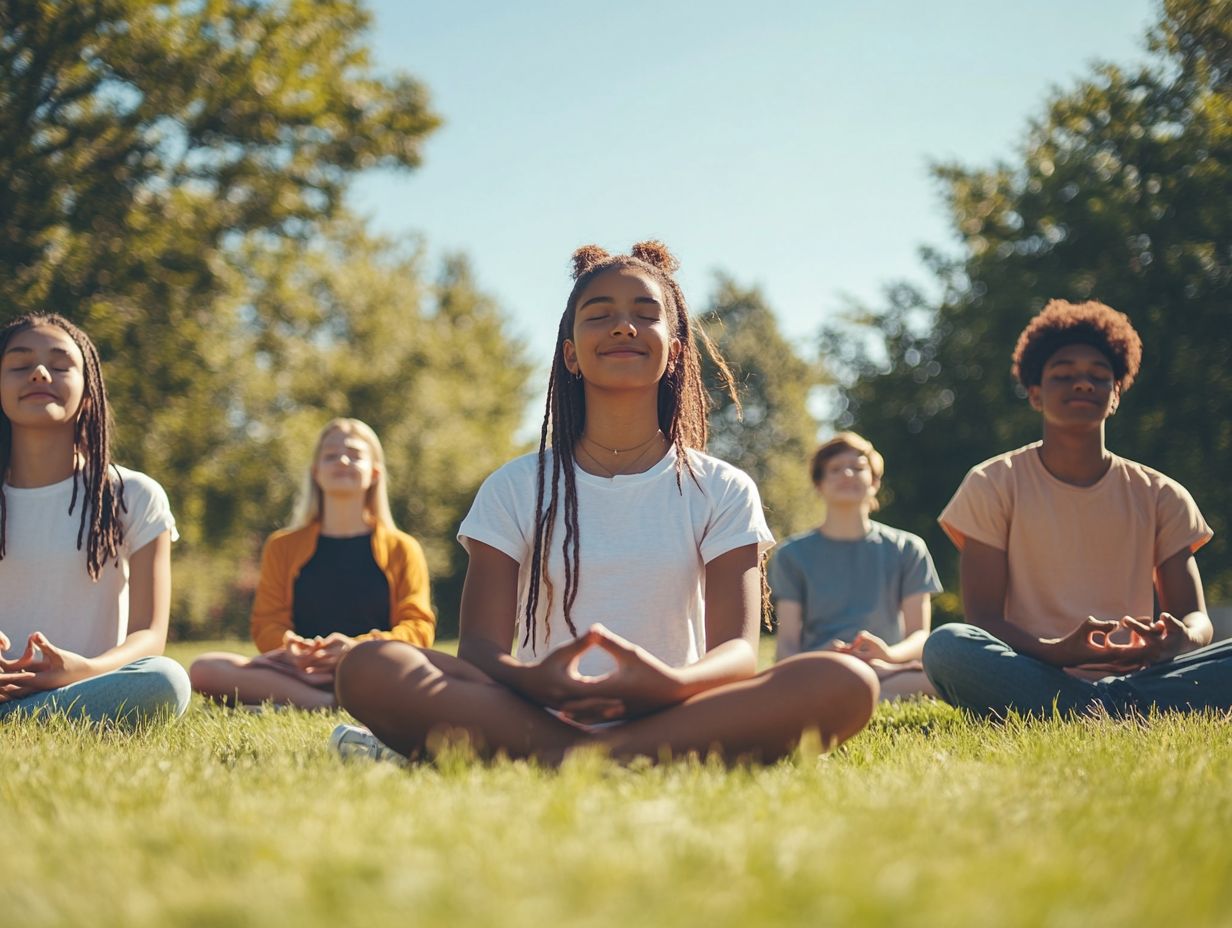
623, 325
40, 372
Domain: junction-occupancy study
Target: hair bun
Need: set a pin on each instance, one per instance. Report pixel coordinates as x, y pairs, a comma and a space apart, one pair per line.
655, 254
587, 257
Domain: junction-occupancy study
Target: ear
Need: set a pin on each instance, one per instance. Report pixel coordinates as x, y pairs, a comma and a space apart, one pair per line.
1116, 399
674, 349
1033, 397
568, 352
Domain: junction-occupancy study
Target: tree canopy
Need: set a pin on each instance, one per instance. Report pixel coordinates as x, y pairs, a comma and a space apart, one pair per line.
773, 433
1120, 194
175, 182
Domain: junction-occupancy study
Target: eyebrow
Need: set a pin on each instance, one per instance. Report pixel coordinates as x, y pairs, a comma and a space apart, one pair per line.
1102, 362
607, 299
22, 349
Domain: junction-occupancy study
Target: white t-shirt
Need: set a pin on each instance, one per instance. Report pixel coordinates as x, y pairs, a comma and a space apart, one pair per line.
44, 585
644, 543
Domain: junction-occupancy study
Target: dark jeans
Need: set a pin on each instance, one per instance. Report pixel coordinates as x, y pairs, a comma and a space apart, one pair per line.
974, 671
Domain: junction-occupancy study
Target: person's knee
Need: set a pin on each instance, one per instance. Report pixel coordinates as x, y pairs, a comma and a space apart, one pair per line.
362, 677
161, 686
948, 647
210, 675
838, 692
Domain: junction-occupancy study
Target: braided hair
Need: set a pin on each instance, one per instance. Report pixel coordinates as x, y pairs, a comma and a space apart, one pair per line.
102, 500
683, 403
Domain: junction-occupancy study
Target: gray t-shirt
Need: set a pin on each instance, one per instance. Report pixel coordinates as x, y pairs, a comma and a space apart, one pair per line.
849, 586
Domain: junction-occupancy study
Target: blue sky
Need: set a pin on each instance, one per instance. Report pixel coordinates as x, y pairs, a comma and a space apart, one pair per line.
784, 143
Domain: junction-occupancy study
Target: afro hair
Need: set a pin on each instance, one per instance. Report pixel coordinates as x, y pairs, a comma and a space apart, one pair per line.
1062, 323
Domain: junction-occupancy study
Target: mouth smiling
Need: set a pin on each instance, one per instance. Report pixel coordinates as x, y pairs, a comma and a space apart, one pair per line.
622, 352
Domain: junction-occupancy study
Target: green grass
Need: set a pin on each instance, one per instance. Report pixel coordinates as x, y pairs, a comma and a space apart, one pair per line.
926, 819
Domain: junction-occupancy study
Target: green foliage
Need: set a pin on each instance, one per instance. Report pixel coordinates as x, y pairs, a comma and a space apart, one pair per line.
1120, 195
236, 819
174, 179
346, 325
772, 434
140, 141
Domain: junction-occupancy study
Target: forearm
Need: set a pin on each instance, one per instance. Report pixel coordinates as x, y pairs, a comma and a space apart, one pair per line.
725, 663
144, 642
417, 630
268, 635
492, 659
910, 648
1021, 641
786, 644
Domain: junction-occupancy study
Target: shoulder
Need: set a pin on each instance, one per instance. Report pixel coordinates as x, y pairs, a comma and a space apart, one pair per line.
1149, 480
716, 474
285, 541
396, 541
904, 541
520, 472
136, 485
1003, 468
799, 543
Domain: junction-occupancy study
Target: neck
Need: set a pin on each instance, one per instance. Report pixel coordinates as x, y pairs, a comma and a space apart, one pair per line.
622, 433
1076, 457
40, 457
343, 517
844, 523
621, 420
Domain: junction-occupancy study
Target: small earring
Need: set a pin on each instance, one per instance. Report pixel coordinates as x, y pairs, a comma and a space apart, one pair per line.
577, 375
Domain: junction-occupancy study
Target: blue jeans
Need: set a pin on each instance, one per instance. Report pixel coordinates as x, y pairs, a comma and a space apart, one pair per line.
145, 689
976, 672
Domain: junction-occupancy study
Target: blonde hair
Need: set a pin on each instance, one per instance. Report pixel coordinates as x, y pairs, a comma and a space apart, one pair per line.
376, 502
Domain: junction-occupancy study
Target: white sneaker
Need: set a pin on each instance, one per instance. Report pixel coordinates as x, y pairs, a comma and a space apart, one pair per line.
351, 741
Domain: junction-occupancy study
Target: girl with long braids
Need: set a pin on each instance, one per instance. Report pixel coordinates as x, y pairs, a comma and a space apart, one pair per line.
85, 545
342, 574
622, 562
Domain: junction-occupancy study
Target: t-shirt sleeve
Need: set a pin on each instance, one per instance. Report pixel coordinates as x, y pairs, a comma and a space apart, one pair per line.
737, 518
979, 510
149, 511
786, 579
1179, 523
919, 574
502, 515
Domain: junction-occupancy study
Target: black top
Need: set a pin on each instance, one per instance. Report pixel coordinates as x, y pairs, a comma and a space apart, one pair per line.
340, 589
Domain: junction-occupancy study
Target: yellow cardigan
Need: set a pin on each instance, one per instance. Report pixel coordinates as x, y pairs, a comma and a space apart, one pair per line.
396, 553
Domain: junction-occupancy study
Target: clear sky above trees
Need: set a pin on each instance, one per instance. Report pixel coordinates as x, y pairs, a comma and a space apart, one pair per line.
786, 143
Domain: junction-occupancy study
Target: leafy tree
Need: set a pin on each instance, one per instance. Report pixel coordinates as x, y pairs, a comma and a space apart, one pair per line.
140, 142
1120, 195
346, 326
773, 433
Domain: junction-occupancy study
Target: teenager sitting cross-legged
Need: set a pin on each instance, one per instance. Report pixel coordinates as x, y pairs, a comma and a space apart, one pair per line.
854, 585
1066, 547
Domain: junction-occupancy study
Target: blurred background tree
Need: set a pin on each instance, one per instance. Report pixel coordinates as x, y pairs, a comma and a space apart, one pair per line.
1121, 195
174, 178
773, 434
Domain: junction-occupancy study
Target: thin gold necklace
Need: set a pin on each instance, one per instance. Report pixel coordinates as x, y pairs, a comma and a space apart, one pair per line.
614, 451
630, 467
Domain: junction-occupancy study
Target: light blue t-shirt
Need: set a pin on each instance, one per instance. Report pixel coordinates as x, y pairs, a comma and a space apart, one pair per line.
853, 585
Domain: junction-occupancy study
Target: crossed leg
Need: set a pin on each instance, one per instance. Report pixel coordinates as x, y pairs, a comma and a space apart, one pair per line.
406, 696
231, 679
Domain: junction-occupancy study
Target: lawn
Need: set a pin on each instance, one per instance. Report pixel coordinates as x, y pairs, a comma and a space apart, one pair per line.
925, 819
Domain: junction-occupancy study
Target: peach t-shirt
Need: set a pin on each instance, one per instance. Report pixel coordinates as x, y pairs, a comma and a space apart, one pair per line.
1074, 551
